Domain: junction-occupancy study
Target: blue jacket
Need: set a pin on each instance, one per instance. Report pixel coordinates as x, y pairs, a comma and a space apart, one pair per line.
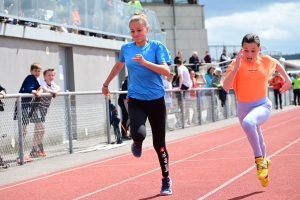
208, 78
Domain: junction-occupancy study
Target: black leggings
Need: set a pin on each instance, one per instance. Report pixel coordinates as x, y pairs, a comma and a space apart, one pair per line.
155, 111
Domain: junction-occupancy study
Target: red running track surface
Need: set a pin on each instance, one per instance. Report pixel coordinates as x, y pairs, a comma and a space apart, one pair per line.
217, 164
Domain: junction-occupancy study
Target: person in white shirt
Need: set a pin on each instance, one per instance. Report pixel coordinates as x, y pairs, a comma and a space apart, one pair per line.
40, 113
185, 83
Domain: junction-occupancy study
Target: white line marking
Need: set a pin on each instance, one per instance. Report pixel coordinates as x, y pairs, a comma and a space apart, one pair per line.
88, 165
243, 173
124, 181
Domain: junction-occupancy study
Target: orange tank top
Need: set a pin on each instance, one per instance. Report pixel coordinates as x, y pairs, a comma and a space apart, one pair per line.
251, 80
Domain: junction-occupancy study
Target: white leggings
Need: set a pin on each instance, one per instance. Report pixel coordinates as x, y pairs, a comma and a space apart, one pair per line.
252, 115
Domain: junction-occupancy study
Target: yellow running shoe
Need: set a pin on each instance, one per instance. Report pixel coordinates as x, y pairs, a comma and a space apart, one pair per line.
262, 167
265, 182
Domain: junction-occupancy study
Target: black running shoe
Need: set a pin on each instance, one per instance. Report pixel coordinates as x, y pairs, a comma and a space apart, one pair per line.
166, 188
136, 149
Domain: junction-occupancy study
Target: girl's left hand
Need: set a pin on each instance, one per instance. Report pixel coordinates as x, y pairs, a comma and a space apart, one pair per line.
140, 59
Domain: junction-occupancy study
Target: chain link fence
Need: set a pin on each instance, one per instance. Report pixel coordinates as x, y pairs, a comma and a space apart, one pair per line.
80, 121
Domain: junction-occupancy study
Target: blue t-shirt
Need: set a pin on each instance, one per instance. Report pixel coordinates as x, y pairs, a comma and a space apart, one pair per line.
143, 83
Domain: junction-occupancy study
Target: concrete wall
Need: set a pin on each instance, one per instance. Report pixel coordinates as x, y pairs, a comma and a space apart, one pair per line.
89, 59
189, 34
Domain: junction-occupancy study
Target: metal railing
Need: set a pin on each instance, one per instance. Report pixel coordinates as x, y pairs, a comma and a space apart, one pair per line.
103, 17
80, 121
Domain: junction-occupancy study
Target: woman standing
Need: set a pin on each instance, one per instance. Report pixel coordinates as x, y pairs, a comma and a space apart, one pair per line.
248, 75
148, 59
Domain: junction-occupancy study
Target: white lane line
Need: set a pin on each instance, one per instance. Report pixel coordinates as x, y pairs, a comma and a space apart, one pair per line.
117, 157
243, 173
124, 181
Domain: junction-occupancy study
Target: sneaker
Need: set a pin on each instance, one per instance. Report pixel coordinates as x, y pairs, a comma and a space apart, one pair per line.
33, 152
265, 181
262, 167
136, 149
126, 138
166, 188
26, 159
41, 153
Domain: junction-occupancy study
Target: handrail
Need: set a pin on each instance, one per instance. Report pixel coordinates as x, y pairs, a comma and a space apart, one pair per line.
118, 14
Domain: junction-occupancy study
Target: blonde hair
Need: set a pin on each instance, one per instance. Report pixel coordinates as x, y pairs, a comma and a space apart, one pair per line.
139, 16
35, 65
48, 70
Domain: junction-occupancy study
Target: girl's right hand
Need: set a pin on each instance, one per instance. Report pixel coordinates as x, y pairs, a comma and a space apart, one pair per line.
239, 58
3, 94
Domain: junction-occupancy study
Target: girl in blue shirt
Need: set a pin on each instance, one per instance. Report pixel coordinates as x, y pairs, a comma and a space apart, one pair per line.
146, 62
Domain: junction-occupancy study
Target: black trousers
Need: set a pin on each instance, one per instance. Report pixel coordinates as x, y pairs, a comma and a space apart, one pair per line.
155, 111
125, 117
277, 94
297, 96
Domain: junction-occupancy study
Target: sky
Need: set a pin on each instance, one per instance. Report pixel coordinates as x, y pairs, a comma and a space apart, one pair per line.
276, 22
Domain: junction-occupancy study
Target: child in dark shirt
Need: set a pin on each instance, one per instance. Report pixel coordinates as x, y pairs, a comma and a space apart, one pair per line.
30, 85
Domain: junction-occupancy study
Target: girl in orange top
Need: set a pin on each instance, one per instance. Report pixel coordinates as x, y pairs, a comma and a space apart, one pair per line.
249, 75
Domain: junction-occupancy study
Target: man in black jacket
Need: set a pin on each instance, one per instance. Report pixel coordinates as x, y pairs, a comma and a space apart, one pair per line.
195, 60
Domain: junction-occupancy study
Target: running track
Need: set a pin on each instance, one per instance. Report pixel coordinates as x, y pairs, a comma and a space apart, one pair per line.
214, 165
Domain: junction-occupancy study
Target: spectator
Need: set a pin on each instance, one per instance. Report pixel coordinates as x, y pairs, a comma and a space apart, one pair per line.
291, 76
40, 112
76, 18
207, 58
146, 61
220, 93
179, 55
63, 14
296, 87
194, 97
175, 81
168, 96
32, 86
108, 11
223, 58
216, 79
200, 81
208, 76
124, 109
3, 93
89, 11
208, 95
233, 56
195, 60
277, 81
135, 4
185, 84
